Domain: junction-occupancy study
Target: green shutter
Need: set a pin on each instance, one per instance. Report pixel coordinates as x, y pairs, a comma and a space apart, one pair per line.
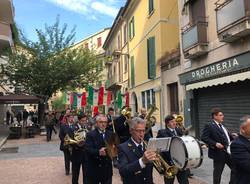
132, 71
150, 6
133, 24
151, 58
132, 28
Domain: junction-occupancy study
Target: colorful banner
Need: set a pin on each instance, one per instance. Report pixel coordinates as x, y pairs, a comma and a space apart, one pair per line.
119, 100
90, 95
109, 97
127, 99
100, 96
84, 102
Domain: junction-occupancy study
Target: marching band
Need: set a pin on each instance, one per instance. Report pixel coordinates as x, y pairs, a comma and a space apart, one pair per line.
122, 142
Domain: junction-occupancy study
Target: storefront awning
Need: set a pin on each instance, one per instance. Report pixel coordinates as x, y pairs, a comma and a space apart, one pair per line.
219, 81
19, 99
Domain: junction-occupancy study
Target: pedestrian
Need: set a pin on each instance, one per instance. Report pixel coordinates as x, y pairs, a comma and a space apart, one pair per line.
240, 152
216, 136
172, 130
48, 122
7, 117
25, 117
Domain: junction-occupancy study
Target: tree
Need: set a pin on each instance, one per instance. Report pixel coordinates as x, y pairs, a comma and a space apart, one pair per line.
50, 64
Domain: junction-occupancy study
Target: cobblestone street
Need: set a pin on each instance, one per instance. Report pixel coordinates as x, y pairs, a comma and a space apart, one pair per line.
35, 161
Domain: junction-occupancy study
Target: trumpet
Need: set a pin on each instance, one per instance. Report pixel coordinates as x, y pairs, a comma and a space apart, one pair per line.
162, 166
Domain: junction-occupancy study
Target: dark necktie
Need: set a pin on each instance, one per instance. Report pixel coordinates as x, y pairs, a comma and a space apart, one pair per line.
140, 149
174, 132
223, 133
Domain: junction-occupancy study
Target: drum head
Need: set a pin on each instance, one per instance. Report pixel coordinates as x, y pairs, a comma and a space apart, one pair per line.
178, 152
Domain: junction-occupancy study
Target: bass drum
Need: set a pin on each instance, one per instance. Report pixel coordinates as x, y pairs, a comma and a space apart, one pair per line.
186, 152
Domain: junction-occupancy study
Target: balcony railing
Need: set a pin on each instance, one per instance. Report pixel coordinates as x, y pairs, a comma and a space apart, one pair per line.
231, 12
195, 35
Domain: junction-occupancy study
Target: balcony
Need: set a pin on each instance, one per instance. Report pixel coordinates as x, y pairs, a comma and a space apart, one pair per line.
233, 20
6, 40
6, 11
112, 84
194, 40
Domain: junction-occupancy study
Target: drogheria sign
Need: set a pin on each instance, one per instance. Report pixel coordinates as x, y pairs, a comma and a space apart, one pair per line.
224, 67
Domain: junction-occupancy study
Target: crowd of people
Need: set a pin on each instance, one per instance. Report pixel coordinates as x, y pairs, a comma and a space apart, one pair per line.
134, 162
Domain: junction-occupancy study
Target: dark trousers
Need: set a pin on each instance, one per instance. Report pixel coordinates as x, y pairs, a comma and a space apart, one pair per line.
182, 177
219, 167
78, 160
67, 158
48, 132
92, 180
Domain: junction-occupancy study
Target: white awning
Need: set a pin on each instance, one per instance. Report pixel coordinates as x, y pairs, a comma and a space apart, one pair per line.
219, 81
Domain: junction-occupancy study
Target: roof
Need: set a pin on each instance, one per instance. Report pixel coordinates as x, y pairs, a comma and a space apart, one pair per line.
19, 99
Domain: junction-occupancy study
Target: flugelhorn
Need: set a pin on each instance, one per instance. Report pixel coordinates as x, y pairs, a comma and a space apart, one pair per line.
162, 166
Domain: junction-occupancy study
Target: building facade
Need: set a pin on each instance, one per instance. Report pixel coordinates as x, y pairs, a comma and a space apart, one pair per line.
6, 41
215, 60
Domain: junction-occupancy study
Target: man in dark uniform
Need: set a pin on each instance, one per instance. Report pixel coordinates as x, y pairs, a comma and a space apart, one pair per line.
98, 163
217, 138
122, 125
66, 129
134, 162
170, 131
79, 152
240, 152
110, 119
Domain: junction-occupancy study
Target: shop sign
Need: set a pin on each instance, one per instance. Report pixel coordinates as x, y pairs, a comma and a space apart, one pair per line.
224, 67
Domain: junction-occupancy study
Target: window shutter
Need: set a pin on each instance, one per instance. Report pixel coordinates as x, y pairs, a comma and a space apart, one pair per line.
150, 6
132, 72
151, 58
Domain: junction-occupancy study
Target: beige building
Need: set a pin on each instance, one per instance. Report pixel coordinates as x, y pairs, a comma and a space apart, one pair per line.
6, 41
117, 66
215, 60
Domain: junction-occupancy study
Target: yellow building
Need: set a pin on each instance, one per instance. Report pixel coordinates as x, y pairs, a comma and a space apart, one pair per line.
152, 31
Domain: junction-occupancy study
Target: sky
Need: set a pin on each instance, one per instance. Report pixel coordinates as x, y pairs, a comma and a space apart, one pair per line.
89, 16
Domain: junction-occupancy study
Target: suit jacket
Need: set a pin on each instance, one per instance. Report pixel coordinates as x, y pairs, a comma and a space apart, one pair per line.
168, 133
121, 128
97, 166
64, 130
240, 153
129, 167
211, 135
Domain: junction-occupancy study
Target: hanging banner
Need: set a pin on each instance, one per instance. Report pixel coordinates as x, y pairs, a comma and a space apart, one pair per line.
90, 95
127, 99
100, 96
109, 97
119, 100
83, 103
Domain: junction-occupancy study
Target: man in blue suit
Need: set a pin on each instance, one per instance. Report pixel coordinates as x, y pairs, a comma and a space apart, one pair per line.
134, 163
216, 136
240, 153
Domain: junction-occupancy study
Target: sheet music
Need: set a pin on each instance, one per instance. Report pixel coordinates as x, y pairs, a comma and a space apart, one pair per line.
159, 144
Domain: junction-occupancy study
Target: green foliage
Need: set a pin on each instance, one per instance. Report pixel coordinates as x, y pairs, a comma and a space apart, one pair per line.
51, 63
58, 104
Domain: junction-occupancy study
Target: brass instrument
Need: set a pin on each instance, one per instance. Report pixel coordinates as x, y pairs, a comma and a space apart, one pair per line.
127, 113
162, 166
150, 120
179, 121
79, 137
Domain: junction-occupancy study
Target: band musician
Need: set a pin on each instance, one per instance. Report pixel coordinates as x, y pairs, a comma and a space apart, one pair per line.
98, 163
170, 131
79, 152
134, 163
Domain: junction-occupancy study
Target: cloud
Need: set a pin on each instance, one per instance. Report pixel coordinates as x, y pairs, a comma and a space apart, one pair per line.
93, 8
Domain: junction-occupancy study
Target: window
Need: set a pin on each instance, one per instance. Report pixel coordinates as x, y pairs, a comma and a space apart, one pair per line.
150, 6
86, 46
99, 42
132, 72
125, 34
119, 42
151, 58
173, 97
148, 98
132, 28
197, 12
125, 64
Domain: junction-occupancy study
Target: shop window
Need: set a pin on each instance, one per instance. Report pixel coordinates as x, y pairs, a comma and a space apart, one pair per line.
173, 98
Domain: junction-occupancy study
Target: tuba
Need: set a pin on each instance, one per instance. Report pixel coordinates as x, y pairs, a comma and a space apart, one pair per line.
162, 166
150, 120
